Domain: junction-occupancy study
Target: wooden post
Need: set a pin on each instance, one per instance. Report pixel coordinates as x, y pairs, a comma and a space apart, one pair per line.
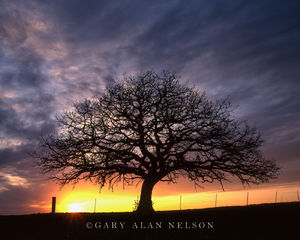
216, 200
276, 197
53, 204
247, 198
298, 195
180, 202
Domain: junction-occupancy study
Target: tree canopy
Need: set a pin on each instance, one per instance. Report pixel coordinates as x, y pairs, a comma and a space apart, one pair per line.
152, 128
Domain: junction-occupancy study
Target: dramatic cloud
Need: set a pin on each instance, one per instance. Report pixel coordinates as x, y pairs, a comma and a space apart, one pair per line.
55, 52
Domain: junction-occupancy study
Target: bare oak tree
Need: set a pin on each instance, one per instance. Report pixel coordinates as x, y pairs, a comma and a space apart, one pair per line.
151, 128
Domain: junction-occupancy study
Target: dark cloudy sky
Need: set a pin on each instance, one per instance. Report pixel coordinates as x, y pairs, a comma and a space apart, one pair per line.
53, 52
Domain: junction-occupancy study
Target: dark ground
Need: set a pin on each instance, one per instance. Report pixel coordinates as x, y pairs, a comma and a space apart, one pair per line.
266, 221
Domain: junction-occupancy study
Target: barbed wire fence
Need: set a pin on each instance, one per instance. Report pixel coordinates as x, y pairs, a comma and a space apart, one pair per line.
184, 201
244, 199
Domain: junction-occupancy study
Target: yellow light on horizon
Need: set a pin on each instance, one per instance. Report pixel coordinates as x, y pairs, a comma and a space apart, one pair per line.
75, 207
86, 198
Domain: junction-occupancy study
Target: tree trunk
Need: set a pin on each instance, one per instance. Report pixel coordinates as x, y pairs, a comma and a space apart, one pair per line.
145, 203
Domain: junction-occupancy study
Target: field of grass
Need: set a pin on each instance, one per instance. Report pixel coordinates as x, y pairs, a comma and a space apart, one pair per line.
264, 221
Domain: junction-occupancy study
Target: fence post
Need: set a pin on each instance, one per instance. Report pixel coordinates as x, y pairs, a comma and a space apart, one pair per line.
298, 195
216, 200
247, 198
95, 205
180, 203
53, 204
276, 197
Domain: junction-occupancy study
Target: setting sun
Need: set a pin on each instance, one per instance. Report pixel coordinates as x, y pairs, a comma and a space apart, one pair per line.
75, 207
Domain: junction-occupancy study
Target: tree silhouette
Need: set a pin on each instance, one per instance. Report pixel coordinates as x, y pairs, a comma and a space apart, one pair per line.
151, 128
